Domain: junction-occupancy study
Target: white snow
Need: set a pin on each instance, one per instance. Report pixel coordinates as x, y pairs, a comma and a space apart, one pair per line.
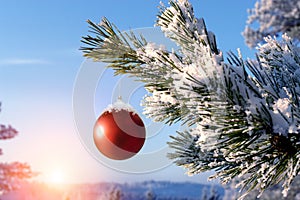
272, 17
283, 105
118, 106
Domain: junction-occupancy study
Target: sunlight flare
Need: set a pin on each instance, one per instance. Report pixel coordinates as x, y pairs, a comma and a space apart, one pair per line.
57, 177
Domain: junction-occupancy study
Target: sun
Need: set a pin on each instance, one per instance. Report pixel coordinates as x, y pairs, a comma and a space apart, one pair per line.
56, 177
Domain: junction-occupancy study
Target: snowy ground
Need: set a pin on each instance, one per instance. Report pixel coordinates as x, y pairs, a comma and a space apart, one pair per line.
128, 191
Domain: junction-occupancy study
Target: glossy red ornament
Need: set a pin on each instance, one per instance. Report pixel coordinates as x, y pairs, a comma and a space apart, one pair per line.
119, 133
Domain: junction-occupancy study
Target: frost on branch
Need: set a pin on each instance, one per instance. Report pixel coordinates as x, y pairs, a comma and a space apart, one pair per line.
274, 18
7, 132
243, 115
11, 173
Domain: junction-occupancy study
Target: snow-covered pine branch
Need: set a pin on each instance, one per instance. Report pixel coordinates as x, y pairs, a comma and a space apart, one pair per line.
241, 124
169, 76
274, 18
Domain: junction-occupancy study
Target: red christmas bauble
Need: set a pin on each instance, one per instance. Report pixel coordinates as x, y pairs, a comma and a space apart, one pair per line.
119, 133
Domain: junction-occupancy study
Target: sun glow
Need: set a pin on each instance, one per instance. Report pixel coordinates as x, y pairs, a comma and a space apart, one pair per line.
57, 177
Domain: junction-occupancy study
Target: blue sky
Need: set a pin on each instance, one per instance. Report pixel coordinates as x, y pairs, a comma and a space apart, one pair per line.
39, 62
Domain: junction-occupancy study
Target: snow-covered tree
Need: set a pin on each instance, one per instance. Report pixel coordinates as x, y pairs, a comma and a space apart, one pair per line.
272, 193
272, 17
150, 195
212, 195
115, 193
11, 173
243, 115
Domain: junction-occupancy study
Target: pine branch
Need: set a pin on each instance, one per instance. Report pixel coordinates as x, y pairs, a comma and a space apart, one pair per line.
111, 46
150, 64
244, 116
179, 24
